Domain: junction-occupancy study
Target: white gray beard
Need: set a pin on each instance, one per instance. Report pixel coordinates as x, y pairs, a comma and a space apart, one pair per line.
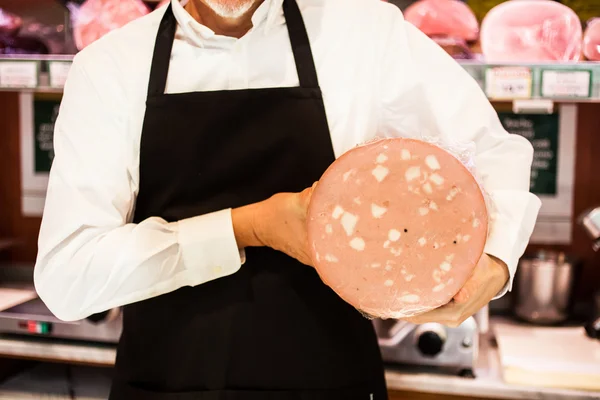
227, 10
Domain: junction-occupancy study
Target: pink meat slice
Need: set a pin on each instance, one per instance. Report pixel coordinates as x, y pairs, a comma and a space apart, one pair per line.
95, 18
451, 18
395, 227
530, 31
591, 40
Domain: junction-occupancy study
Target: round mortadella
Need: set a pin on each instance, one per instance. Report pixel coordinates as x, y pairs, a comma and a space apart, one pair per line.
396, 227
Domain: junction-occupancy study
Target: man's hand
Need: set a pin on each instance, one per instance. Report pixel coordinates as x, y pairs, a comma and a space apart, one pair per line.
278, 222
489, 277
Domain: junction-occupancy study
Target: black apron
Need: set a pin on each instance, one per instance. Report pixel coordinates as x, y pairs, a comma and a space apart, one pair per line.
272, 330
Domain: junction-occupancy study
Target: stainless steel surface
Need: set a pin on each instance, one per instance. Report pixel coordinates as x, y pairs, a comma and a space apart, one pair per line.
26, 318
591, 223
431, 345
545, 283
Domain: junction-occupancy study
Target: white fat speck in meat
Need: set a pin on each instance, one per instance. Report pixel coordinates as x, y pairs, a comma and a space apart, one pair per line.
412, 173
476, 223
436, 245
450, 281
409, 278
452, 194
396, 252
357, 201
437, 275
405, 154
381, 158
388, 267
458, 238
422, 241
410, 298
386, 244
349, 223
450, 257
357, 244
433, 206
331, 258
380, 172
423, 211
394, 235
389, 283
439, 287
318, 257
377, 211
329, 229
427, 188
432, 162
375, 265
466, 238
337, 212
445, 266
347, 174
436, 179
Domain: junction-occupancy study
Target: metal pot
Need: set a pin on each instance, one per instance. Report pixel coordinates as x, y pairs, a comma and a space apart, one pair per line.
544, 287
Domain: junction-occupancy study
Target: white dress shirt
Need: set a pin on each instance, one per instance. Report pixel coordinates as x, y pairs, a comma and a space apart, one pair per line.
379, 76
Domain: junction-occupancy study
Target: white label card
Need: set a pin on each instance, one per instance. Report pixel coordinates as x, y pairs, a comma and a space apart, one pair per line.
59, 71
508, 83
18, 74
566, 83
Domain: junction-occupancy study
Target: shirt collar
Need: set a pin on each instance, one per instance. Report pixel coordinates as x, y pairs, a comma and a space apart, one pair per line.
268, 13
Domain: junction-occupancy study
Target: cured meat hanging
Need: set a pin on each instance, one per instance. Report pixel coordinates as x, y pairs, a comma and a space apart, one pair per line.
395, 227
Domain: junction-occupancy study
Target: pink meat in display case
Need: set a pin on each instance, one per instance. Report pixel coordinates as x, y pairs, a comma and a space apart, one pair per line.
591, 40
531, 31
450, 18
95, 18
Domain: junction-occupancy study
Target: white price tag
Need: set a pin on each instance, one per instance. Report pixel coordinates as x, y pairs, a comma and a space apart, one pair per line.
566, 83
59, 70
18, 74
508, 83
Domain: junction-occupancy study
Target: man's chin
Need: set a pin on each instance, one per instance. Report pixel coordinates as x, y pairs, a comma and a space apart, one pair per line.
231, 9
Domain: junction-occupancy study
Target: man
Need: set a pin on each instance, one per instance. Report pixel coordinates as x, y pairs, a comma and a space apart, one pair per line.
186, 146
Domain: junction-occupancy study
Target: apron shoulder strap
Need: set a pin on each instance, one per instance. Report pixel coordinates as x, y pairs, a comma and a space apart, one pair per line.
305, 65
161, 58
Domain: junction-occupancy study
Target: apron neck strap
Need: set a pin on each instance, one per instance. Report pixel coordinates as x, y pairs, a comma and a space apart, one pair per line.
305, 66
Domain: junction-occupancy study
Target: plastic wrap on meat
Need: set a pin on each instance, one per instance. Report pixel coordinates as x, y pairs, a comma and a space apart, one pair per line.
396, 227
591, 40
531, 31
451, 18
95, 18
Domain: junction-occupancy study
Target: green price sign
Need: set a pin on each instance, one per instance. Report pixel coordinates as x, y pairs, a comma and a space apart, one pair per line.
542, 131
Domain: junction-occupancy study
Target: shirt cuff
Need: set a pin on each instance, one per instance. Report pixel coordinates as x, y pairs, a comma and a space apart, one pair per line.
512, 219
208, 247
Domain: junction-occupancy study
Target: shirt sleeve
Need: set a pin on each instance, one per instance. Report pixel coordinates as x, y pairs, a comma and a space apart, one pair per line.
426, 93
91, 257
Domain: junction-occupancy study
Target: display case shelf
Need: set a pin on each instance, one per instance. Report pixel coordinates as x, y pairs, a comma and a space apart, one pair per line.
558, 82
